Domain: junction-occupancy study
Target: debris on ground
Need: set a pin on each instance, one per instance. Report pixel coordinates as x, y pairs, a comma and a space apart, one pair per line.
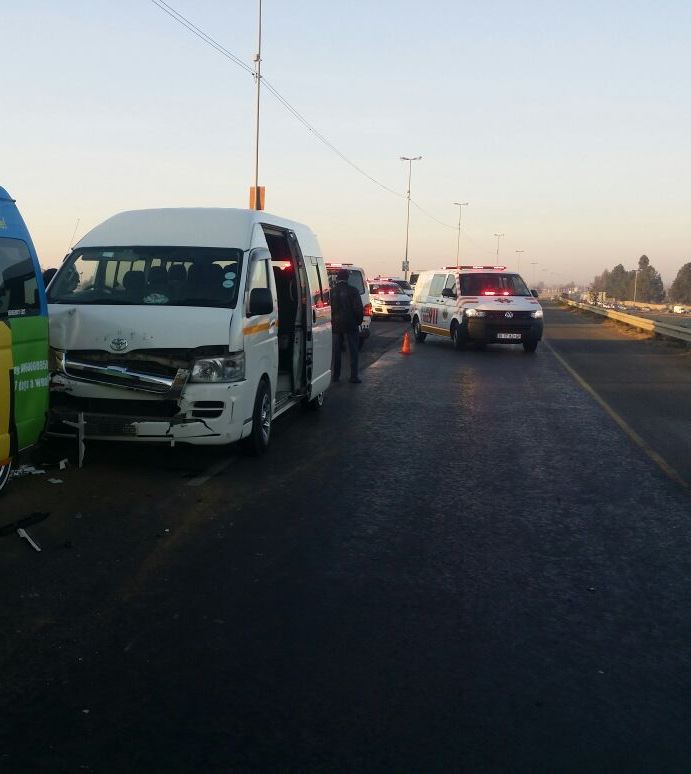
24, 534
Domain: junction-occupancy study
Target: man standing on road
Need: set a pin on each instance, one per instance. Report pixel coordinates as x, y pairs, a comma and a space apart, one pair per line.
346, 316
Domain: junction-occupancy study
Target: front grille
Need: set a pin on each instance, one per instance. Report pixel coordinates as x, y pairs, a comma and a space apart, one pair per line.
142, 409
143, 364
500, 317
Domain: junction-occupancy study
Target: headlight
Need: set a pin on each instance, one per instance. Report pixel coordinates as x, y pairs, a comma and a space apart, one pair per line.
474, 313
211, 370
56, 360
537, 314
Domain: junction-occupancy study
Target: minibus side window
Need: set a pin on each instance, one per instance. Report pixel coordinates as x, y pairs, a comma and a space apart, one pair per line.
259, 277
18, 285
313, 277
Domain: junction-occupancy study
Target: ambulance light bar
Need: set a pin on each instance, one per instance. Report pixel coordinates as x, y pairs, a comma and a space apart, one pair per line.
496, 268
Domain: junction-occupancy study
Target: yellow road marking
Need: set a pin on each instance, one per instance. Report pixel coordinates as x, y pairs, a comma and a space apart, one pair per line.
666, 468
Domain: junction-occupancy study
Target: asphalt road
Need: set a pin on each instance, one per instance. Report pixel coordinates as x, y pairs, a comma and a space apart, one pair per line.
462, 564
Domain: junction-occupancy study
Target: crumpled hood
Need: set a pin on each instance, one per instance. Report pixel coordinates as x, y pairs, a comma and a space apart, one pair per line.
140, 327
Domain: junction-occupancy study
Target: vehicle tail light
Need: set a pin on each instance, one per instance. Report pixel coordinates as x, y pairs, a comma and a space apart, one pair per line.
367, 311
488, 293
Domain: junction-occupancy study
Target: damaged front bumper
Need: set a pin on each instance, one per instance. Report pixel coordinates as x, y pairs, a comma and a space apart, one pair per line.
202, 414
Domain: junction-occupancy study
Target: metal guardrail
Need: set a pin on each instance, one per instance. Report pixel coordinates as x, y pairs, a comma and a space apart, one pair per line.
642, 323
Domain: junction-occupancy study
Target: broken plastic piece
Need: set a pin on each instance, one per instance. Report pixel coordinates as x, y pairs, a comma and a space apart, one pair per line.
24, 534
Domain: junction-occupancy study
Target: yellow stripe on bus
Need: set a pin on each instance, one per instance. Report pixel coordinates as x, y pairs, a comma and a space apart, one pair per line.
258, 328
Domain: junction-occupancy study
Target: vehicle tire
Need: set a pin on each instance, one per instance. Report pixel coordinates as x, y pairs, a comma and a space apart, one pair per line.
530, 346
5, 471
316, 403
418, 333
257, 442
458, 336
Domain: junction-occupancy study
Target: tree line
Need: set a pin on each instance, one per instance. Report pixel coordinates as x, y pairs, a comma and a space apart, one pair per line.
643, 284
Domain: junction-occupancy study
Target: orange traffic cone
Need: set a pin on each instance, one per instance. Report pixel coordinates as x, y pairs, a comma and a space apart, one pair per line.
405, 349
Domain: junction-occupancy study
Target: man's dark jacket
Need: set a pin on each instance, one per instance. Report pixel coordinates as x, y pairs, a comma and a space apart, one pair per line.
346, 308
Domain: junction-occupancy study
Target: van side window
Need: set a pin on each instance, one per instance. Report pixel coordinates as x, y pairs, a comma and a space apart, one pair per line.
325, 282
451, 283
437, 284
313, 279
18, 286
260, 276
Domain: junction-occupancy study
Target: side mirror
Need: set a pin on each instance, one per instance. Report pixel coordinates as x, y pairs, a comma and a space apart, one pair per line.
534, 293
448, 293
261, 302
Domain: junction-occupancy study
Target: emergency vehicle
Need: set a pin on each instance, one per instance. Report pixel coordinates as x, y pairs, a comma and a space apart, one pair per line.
189, 325
479, 304
388, 299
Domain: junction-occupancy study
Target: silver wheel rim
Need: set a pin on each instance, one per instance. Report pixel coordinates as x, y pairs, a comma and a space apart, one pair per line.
265, 417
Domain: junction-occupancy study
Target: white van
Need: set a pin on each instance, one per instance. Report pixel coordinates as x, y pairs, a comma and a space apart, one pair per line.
189, 325
358, 279
480, 304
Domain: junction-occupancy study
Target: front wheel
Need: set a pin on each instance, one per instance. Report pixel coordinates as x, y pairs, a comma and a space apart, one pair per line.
5, 471
457, 336
530, 346
257, 442
420, 336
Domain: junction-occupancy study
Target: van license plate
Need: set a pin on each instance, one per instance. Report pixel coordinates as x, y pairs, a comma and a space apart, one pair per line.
508, 335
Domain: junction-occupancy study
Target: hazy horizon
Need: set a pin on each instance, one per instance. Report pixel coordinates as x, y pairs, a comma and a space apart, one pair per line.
565, 128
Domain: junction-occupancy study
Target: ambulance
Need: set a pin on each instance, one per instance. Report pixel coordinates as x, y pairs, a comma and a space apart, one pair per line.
23, 340
188, 325
478, 304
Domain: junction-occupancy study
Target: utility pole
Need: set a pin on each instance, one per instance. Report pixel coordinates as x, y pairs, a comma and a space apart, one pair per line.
519, 259
410, 160
256, 201
460, 206
635, 285
498, 236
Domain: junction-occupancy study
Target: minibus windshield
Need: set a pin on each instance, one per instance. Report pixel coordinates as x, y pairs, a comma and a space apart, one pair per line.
18, 284
163, 276
492, 284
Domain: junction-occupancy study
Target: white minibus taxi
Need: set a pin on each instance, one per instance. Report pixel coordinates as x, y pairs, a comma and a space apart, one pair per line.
188, 325
479, 304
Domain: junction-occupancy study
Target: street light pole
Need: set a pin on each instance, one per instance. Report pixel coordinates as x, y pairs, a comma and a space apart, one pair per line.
410, 160
258, 78
460, 206
635, 284
533, 264
498, 236
519, 259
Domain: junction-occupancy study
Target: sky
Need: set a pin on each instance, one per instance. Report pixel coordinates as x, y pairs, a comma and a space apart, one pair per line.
565, 126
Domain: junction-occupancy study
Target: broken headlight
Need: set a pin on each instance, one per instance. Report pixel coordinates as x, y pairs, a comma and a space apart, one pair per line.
210, 370
56, 360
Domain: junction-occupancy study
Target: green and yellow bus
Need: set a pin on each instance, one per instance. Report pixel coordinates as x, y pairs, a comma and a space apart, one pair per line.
23, 340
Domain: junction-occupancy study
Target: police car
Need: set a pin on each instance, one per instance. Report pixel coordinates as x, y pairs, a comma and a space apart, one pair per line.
480, 304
